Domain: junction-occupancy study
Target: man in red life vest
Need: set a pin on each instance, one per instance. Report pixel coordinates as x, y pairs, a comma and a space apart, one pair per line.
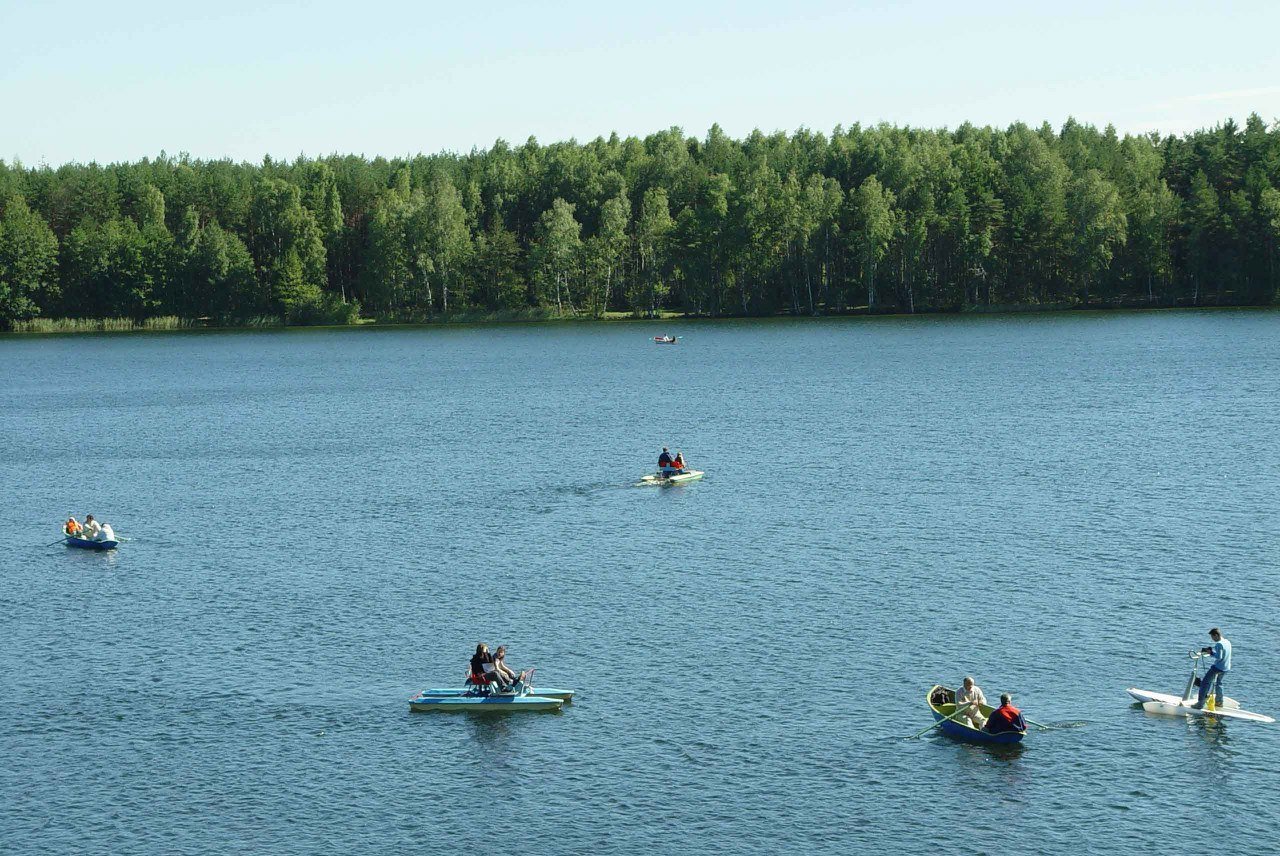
1006, 717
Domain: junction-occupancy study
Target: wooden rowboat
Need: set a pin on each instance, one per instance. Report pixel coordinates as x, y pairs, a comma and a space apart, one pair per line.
942, 702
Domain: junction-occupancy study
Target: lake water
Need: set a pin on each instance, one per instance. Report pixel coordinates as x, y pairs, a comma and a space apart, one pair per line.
321, 523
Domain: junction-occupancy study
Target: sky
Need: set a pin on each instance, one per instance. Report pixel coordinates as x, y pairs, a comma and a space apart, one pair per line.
91, 81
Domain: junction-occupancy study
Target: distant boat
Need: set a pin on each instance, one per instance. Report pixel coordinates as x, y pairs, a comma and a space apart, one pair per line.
666, 340
675, 478
90, 544
942, 702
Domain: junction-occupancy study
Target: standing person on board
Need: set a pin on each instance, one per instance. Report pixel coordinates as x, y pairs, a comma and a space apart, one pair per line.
1212, 680
970, 692
1006, 717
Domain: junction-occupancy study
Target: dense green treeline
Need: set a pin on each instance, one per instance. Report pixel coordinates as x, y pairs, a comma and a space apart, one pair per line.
882, 218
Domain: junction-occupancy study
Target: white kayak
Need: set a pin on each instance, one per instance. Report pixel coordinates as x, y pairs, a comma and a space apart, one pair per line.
679, 478
1171, 705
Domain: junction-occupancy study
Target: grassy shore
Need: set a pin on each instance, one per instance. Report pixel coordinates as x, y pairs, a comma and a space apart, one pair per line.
173, 322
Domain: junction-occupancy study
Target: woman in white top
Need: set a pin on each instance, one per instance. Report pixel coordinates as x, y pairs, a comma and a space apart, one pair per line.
971, 692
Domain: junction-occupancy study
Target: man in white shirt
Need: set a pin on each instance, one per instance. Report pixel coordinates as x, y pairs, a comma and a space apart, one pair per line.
91, 528
971, 692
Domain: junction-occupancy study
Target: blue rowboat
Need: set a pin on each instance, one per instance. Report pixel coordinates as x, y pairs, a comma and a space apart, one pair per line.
477, 703
942, 701
455, 692
88, 544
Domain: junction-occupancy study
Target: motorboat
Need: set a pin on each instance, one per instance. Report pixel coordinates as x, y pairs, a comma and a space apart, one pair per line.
942, 703
676, 478
1171, 705
666, 340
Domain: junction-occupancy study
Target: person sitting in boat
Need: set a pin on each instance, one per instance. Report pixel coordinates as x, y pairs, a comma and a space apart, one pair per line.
72, 527
970, 692
1006, 717
500, 666
665, 462
677, 463
91, 528
483, 671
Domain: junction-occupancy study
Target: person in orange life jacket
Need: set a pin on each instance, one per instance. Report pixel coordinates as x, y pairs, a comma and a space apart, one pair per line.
665, 462
678, 463
1006, 717
72, 526
482, 669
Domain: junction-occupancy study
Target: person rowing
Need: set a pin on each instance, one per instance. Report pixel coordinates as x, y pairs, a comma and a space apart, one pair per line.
91, 529
1006, 717
971, 694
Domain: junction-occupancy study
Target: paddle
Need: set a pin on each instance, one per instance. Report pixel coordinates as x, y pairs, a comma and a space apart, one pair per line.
1057, 727
959, 710
59, 541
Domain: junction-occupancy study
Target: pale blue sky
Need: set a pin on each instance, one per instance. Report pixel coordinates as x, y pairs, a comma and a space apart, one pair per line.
84, 81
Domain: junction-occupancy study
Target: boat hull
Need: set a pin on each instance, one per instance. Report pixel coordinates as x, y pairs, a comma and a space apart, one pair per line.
1171, 705
484, 704
86, 544
682, 478
453, 692
965, 731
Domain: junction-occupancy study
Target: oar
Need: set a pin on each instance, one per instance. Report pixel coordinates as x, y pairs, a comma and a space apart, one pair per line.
1058, 727
59, 541
961, 709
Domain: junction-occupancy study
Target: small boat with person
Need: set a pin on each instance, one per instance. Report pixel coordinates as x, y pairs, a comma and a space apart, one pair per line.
666, 340
91, 535
951, 720
1166, 704
671, 470
481, 695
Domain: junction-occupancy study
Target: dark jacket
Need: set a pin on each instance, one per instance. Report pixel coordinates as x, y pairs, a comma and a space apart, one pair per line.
1006, 718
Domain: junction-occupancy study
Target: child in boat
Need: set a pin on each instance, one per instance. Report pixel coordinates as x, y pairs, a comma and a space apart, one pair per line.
72, 527
506, 672
678, 463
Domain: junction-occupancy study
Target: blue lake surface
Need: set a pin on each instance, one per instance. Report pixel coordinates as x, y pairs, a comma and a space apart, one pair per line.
323, 522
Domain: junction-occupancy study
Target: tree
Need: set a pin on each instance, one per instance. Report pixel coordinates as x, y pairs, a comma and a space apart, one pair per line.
555, 254
873, 226
1097, 224
652, 230
28, 260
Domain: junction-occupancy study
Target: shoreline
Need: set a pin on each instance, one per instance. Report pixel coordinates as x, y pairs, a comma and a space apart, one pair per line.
111, 326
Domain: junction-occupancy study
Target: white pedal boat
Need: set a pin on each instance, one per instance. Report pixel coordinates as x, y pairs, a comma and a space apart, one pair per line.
679, 478
1165, 704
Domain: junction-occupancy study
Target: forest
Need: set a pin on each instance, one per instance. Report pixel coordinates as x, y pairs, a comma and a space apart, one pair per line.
877, 219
